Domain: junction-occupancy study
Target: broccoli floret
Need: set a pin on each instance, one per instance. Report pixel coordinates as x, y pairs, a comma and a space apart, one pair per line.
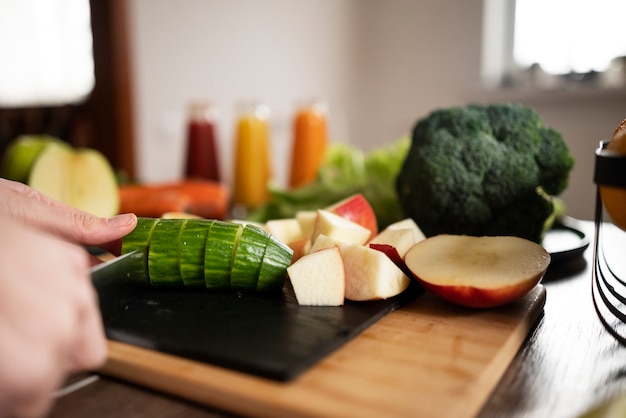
483, 170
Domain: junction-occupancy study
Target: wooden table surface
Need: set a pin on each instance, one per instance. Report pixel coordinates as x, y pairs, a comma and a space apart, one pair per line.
568, 364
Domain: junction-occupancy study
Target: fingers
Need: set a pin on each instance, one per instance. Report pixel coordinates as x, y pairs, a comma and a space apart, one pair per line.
87, 229
89, 349
22, 203
49, 318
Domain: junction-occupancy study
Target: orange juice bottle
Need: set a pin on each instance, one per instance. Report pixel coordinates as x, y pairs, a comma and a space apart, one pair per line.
252, 156
310, 139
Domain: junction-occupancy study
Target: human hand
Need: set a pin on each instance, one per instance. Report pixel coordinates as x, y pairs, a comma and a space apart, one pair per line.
24, 204
50, 325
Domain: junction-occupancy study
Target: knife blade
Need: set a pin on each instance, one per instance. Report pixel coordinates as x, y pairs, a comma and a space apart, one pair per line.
132, 268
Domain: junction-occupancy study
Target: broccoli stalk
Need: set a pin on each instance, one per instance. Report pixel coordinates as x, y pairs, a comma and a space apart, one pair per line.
483, 170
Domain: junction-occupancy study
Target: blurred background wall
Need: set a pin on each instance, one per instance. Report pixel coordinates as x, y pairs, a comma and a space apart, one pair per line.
379, 66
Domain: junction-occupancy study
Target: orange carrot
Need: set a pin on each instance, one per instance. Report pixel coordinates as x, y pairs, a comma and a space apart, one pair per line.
207, 199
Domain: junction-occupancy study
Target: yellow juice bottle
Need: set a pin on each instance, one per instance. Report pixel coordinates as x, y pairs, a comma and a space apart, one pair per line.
252, 156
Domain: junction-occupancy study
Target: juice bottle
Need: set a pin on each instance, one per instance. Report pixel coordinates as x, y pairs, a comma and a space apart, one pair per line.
310, 139
201, 154
252, 156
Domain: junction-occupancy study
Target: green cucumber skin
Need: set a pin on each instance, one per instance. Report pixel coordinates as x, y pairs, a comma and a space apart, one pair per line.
139, 239
204, 253
248, 258
140, 236
191, 250
163, 260
273, 271
219, 253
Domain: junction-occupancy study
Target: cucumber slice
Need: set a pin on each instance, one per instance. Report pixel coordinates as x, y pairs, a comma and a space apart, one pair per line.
163, 259
248, 258
221, 242
140, 236
273, 270
191, 249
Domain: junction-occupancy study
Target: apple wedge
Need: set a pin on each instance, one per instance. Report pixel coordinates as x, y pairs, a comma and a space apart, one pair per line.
478, 272
371, 275
324, 241
82, 178
410, 224
318, 279
357, 209
337, 227
395, 243
300, 247
306, 219
286, 230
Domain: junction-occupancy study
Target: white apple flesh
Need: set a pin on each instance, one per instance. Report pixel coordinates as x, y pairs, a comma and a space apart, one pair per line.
371, 275
286, 230
82, 178
410, 224
318, 278
324, 241
477, 272
306, 219
395, 243
337, 227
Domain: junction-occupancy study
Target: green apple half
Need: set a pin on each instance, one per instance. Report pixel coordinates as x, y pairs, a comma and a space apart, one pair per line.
21, 155
80, 177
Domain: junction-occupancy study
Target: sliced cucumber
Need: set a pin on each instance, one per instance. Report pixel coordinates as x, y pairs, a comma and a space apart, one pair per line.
248, 258
140, 236
221, 243
191, 249
213, 254
163, 259
273, 271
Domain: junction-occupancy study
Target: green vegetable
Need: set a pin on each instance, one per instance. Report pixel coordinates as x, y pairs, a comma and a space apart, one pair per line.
191, 248
484, 170
277, 256
210, 254
163, 258
346, 170
218, 258
248, 258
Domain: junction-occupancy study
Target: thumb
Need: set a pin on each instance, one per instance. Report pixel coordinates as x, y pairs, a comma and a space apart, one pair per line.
86, 229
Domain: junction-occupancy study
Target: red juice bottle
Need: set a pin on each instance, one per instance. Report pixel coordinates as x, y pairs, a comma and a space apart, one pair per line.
202, 151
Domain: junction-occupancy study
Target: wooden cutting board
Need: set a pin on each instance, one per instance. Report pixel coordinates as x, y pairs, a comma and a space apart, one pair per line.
424, 359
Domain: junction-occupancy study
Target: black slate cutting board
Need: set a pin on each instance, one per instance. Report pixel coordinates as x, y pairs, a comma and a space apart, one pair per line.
271, 337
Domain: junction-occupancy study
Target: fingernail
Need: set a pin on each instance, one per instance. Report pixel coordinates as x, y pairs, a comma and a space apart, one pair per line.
123, 220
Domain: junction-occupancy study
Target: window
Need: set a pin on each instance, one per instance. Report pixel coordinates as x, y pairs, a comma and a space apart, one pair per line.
554, 43
45, 51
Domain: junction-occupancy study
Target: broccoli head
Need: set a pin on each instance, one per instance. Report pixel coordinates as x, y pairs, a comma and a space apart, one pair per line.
483, 170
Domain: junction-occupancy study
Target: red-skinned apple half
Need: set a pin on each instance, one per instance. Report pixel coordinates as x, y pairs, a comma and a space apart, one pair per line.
477, 272
357, 209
